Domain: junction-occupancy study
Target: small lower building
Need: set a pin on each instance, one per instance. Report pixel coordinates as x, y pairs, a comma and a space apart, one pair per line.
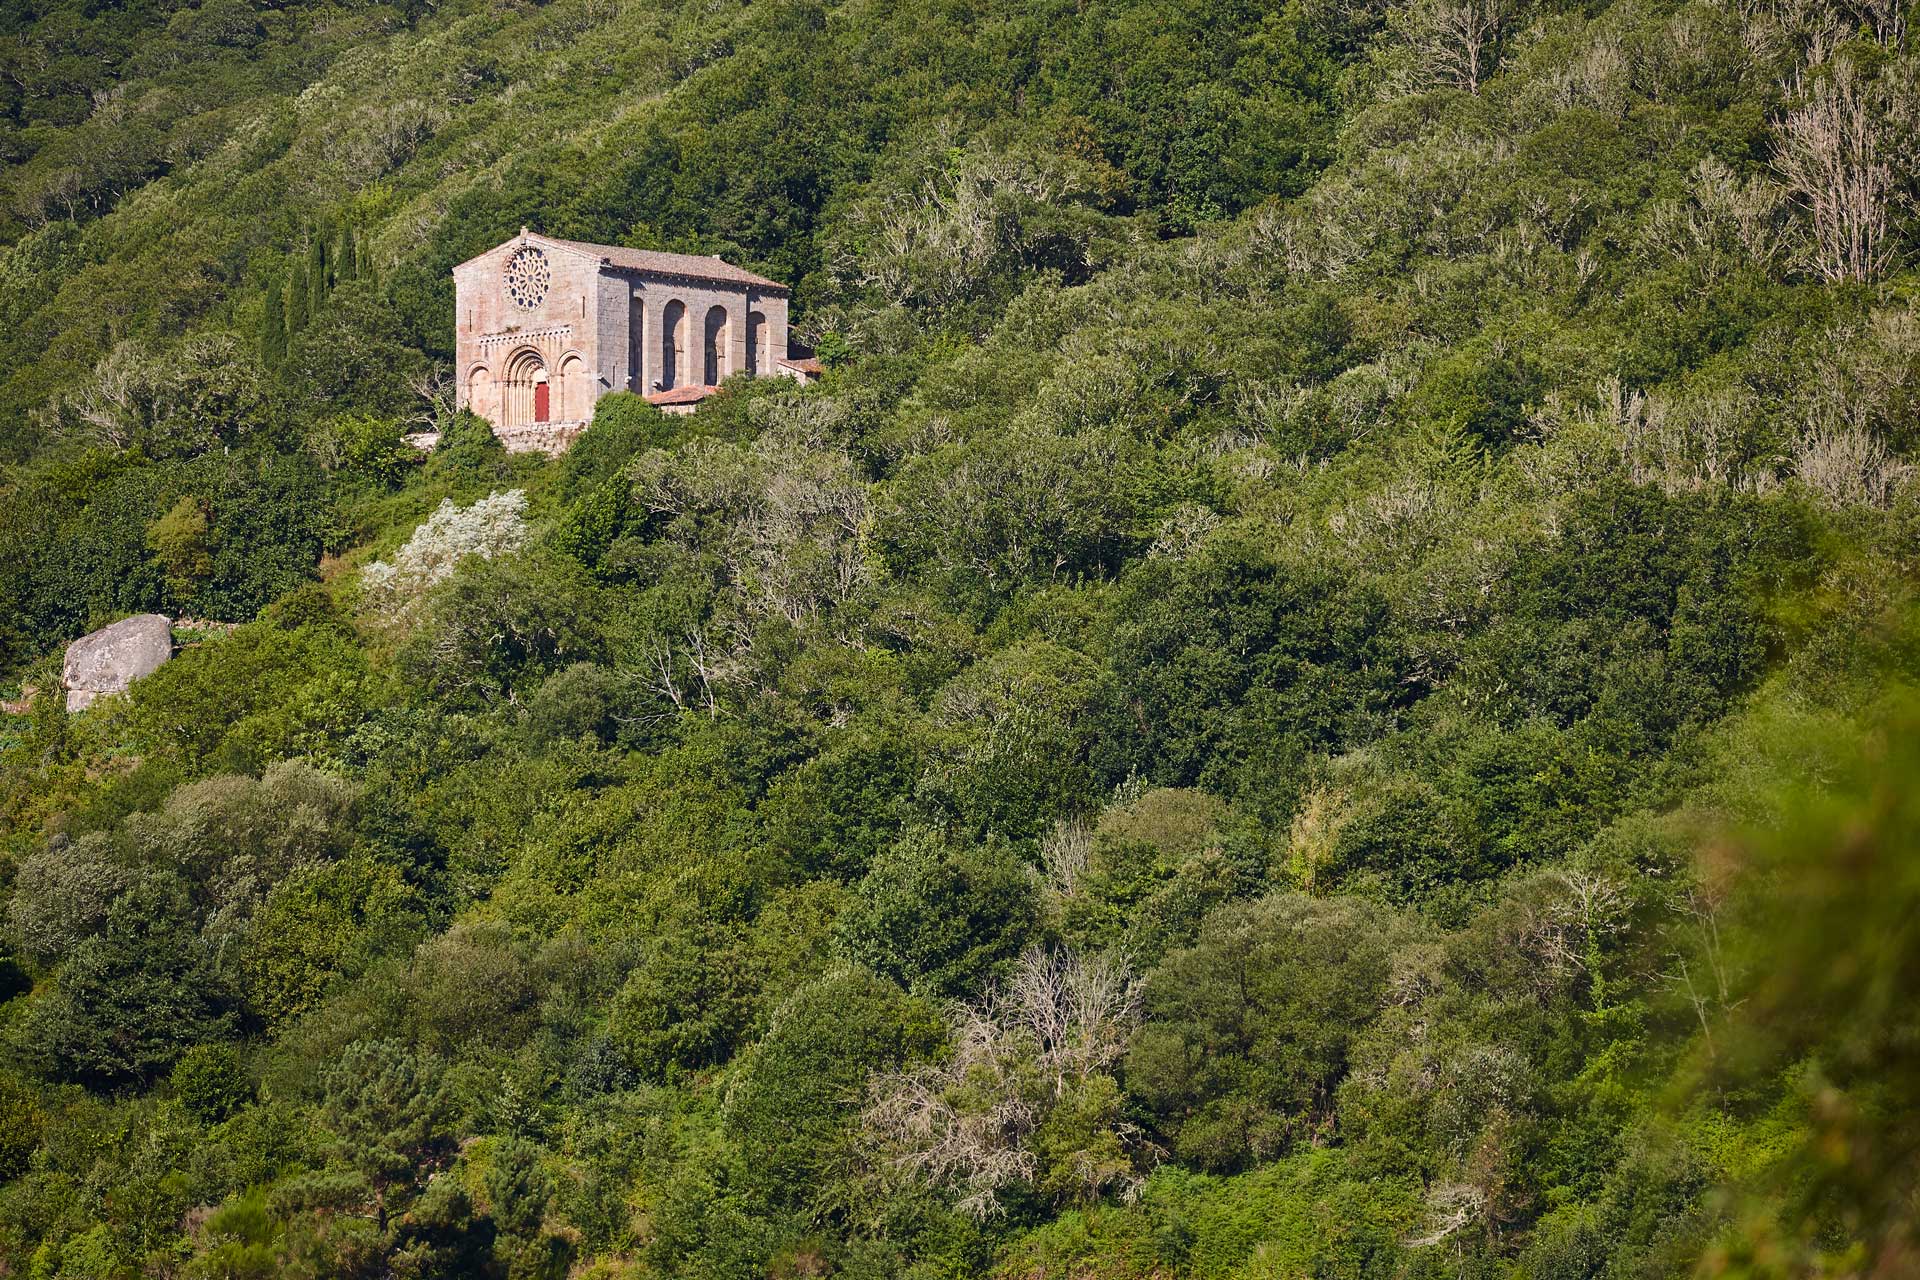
545, 327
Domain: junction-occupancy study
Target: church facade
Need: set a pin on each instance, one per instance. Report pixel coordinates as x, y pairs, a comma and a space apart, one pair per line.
545, 327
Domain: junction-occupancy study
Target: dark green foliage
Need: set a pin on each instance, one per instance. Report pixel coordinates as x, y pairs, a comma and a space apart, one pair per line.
390, 1106
500, 627
211, 1081
688, 1002
831, 815
252, 527
590, 526
624, 426
1240, 666
580, 701
348, 259
133, 998
1223, 739
299, 300
319, 275
443, 1238
799, 1091
1248, 1030
273, 328
940, 916
369, 447
1022, 737
20, 1123
467, 455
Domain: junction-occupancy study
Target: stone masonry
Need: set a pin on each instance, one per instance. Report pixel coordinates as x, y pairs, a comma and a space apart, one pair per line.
545, 327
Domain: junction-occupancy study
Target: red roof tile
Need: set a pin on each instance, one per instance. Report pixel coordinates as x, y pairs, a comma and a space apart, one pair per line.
681, 395
805, 364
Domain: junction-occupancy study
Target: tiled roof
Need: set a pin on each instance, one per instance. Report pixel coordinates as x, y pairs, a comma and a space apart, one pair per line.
681, 395
676, 264
805, 364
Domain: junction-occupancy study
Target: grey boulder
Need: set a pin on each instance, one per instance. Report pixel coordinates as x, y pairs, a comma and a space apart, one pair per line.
108, 660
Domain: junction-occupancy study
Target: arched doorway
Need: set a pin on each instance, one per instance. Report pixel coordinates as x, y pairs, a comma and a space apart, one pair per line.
757, 360
719, 337
673, 344
525, 396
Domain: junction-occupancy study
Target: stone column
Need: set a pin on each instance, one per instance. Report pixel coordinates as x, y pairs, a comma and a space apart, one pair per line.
652, 305
736, 356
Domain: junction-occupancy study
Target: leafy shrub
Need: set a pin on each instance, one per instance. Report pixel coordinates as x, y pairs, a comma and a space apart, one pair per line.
1247, 1031
211, 1081
940, 917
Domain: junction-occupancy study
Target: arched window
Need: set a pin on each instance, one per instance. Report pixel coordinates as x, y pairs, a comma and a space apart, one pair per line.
524, 396
758, 360
719, 340
673, 345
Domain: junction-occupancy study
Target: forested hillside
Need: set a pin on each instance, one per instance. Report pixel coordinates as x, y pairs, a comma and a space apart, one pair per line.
1328, 685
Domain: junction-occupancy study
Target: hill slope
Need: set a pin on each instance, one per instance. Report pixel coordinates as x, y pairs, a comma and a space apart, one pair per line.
1325, 686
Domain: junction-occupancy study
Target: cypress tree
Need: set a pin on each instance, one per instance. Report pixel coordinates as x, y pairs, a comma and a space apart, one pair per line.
348, 266
298, 305
273, 336
316, 273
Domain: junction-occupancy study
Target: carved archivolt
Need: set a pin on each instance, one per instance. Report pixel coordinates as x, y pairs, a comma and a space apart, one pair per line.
520, 381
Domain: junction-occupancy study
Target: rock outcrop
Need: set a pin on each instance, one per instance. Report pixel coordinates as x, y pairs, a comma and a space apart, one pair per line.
108, 660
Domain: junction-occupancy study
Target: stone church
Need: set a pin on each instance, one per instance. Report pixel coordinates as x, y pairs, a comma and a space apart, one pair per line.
545, 327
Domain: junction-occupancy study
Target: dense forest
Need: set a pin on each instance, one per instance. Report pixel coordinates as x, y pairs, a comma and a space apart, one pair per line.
1327, 686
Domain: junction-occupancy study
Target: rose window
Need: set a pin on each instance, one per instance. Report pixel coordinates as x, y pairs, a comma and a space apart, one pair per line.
527, 277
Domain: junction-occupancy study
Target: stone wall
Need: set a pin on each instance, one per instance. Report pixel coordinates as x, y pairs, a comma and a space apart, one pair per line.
728, 308
499, 345
579, 340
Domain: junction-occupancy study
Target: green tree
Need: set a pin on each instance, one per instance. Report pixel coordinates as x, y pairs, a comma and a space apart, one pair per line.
390, 1107
1247, 1031
940, 917
20, 1126
131, 1000
178, 541
299, 299
312, 927
794, 1107
689, 1002
273, 328
319, 274
347, 260
211, 1079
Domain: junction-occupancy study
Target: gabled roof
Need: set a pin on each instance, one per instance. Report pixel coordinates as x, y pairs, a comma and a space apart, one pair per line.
673, 264
652, 260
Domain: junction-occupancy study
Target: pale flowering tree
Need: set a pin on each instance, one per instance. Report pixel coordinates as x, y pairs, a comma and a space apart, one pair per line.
493, 526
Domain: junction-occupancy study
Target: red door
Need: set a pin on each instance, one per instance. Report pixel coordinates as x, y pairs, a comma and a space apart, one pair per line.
541, 405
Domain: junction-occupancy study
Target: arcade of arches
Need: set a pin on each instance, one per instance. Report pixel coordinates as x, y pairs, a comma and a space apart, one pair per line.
528, 393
